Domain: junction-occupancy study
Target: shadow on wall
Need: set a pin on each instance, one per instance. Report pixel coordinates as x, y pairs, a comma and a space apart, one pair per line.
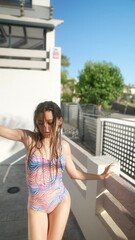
15, 122
9, 147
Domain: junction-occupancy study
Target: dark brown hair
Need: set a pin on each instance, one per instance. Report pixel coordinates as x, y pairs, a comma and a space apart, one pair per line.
55, 138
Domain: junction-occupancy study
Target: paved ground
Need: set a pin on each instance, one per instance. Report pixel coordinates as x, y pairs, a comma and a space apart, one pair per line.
13, 212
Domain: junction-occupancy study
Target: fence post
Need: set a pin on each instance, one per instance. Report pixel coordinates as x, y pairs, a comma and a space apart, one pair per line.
99, 136
83, 122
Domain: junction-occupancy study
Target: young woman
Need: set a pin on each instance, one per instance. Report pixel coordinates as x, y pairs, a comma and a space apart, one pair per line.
46, 157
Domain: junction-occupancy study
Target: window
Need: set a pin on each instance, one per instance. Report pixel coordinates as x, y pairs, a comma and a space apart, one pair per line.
22, 37
28, 3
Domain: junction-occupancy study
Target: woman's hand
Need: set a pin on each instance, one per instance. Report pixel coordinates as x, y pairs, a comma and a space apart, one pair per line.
107, 172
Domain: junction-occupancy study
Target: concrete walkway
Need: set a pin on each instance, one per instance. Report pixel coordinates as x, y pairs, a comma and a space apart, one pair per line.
13, 206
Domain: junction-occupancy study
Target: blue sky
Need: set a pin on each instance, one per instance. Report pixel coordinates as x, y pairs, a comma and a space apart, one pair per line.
97, 30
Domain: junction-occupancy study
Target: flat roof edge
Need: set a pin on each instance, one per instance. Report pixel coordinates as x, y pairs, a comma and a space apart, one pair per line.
29, 22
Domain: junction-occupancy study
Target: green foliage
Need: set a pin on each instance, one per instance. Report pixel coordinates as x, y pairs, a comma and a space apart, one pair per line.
66, 97
99, 83
67, 85
64, 77
68, 90
64, 61
64, 73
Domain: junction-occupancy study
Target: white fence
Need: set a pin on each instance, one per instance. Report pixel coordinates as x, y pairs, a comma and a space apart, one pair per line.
116, 137
105, 136
105, 210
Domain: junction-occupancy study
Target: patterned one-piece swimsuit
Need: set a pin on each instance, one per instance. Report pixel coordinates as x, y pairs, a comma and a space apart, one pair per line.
45, 185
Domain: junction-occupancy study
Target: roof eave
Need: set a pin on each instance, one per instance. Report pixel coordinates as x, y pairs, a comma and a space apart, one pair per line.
29, 22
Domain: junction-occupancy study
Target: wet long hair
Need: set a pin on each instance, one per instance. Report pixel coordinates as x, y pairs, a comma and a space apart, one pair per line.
55, 135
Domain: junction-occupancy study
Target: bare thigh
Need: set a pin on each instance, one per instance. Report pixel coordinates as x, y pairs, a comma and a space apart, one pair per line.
58, 219
37, 225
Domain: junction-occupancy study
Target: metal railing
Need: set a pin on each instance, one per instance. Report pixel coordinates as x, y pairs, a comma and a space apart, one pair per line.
105, 136
84, 119
117, 139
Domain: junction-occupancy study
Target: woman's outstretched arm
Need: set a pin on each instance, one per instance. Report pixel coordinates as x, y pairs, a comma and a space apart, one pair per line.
80, 175
14, 134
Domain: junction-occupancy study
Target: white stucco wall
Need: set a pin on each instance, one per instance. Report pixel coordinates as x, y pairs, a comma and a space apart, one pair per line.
22, 90
85, 195
41, 2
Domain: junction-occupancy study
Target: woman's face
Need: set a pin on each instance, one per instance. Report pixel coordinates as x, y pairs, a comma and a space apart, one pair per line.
45, 123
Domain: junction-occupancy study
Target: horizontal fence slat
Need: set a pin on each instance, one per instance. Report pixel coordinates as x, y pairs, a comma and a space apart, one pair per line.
120, 215
23, 64
122, 191
79, 164
12, 52
111, 226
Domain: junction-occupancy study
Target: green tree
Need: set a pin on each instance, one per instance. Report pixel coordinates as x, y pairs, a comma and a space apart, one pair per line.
99, 83
67, 85
64, 73
64, 61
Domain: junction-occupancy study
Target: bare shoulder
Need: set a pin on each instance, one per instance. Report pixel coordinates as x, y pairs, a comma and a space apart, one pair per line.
65, 146
14, 134
28, 137
28, 133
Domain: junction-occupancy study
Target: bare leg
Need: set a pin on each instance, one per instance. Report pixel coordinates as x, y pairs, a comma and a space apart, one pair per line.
37, 225
58, 219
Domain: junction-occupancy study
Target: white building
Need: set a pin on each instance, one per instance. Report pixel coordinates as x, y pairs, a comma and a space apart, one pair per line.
30, 63
133, 89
